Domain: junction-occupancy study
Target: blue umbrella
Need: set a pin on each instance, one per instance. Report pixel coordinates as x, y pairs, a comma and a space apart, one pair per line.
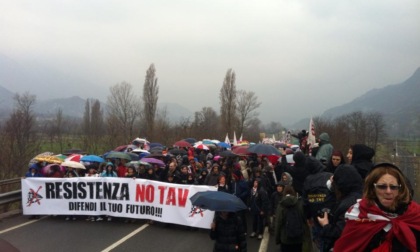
264, 149
223, 145
92, 158
217, 201
190, 140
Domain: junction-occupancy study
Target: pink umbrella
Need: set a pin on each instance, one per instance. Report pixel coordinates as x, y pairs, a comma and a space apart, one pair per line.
153, 161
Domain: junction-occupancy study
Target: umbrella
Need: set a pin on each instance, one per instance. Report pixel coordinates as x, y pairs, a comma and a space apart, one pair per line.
141, 140
138, 163
130, 147
117, 154
190, 140
48, 159
152, 145
224, 145
74, 157
201, 147
134, 156
92, 158
140, 150
177, 152
182, 143
264, 149
217, 201
227, 153
153, 161
73, 164
240, 150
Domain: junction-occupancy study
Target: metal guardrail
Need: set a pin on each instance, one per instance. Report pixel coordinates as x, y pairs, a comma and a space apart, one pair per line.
8, 195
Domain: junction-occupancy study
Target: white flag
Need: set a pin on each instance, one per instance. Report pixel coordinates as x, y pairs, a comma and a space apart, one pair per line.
311, 136
235, 142
240, 139
227, 139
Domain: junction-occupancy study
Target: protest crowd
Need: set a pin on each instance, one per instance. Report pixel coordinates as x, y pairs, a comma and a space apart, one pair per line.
311, 198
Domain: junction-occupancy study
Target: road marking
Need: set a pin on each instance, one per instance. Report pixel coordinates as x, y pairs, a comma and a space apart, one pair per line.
122, 240
264, 241
21, 225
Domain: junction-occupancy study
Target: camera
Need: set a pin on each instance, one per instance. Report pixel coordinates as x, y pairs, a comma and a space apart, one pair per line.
321, 212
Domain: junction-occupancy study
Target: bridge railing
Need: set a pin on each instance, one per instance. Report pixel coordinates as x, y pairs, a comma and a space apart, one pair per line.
10, 193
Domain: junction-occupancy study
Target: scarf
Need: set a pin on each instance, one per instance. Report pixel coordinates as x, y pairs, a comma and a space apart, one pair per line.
364, 221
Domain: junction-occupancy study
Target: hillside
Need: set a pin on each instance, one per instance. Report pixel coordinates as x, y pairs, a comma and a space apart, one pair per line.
399, 103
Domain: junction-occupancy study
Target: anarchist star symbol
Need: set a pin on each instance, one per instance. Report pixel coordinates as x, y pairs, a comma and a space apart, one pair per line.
196, 210
34, 197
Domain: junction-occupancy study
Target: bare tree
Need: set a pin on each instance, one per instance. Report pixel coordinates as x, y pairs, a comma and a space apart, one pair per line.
150, 98
376, 128
19, 139
162, 125
206, 123
123, 110
227, 98
93, 126
246, 105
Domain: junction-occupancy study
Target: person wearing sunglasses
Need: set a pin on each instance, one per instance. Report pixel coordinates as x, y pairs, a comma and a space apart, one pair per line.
386, 218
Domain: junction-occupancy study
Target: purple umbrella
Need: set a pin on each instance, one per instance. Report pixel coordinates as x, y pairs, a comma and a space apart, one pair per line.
153, 161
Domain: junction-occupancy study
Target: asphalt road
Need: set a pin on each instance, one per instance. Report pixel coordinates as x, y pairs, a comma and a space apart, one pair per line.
55, 234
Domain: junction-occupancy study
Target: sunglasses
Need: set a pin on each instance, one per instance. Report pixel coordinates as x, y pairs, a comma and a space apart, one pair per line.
384, 187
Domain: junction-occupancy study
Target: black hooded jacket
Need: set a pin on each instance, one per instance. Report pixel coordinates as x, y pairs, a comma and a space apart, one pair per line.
315, 190
348, 184
362, 159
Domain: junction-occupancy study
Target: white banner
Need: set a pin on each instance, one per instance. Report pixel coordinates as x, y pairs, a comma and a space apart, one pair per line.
119, 197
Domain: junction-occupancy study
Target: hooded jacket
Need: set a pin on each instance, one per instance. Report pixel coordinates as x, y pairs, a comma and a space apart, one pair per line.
362, 159
325, 148
315, 190
348, 182
287, 202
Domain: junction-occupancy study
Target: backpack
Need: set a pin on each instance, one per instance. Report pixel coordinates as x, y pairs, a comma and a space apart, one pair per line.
293, 223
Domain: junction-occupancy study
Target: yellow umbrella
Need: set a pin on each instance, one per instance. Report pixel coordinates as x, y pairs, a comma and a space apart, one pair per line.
48, 157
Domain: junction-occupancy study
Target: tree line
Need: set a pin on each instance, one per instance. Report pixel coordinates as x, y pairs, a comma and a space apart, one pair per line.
128, 115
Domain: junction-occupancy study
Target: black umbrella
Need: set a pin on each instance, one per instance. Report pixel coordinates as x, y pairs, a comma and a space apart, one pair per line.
264, 149
177, 152
217, 201
190, 140
227, 153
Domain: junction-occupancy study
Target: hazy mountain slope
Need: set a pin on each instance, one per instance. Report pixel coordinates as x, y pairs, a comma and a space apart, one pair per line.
390, 100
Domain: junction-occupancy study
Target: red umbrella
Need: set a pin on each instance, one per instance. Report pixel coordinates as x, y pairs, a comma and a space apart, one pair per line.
240, 150
74, 157
182, 144
201, 147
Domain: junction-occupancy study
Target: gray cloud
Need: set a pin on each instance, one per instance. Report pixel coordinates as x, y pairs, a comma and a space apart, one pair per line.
307, 56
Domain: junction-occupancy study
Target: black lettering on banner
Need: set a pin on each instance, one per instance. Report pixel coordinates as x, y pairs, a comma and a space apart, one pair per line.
82, 191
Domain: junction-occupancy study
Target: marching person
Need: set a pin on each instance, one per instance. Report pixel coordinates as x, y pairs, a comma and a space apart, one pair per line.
228, 232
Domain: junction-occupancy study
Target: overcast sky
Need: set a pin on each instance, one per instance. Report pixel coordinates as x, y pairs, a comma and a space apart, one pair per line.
300, 57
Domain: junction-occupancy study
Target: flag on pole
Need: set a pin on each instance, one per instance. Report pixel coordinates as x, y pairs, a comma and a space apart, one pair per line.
240, 139
235, 142
227, 139
274, 138
311, 135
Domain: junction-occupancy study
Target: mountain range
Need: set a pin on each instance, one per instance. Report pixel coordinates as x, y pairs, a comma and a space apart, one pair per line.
399, 103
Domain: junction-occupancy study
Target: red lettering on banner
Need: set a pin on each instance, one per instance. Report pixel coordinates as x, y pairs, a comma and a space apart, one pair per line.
172, 196
182, 197
145, 193
171, 199
162, 193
